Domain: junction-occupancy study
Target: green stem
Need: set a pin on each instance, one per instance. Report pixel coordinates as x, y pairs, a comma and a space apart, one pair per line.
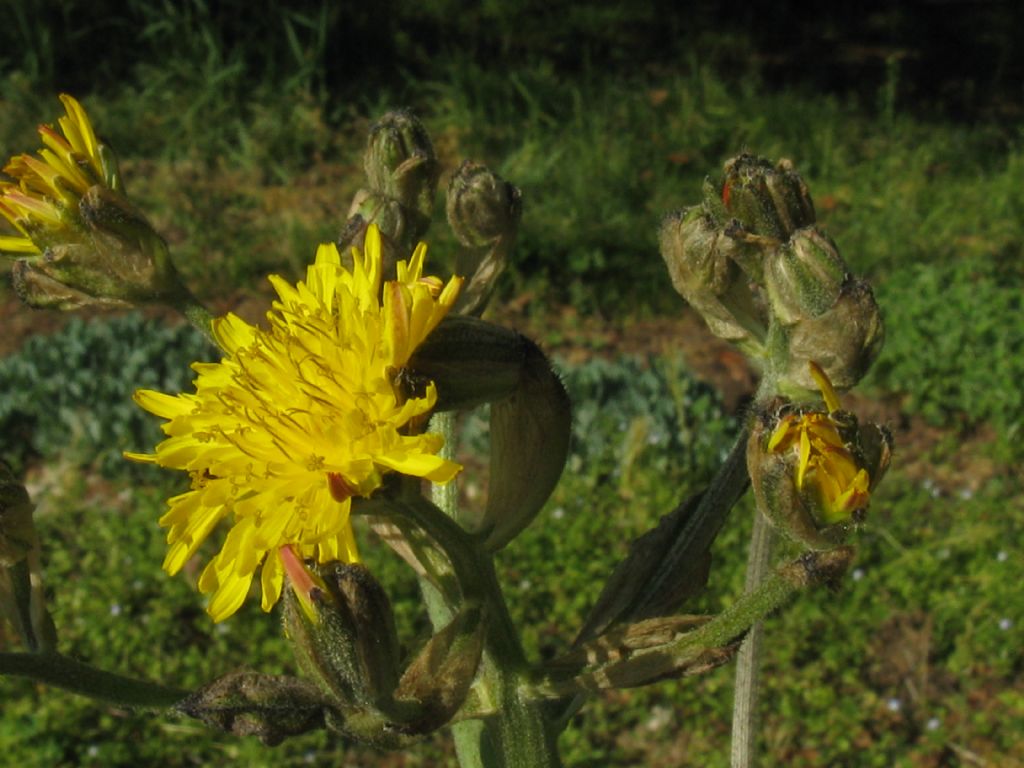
518, 735
200, 317
748, 662
773, 593
722, 631
74, 676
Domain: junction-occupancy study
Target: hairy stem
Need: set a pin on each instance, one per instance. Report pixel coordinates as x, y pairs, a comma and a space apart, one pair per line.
721, 632
200, 317
748, 662
518, 736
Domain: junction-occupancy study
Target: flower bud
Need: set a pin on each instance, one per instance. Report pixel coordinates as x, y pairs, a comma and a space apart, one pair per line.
483, 211
270, 707
482, 207
804, 276
400, 163
701, 263
343, 631
844, 340
768, 201
812, 471
119, 262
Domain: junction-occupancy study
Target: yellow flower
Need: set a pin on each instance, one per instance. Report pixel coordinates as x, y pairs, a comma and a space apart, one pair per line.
825, 465
49, 187
299, 418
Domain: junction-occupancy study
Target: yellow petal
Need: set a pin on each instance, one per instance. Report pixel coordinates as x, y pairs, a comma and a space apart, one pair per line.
233, 333
230, 595
828, 393
804, 460
163, 405
271, 580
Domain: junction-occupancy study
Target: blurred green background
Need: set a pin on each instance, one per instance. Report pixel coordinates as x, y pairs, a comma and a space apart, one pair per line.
240, 128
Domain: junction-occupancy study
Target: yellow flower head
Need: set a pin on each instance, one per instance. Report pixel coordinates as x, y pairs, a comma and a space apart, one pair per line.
825, 464
48, 187
299, 418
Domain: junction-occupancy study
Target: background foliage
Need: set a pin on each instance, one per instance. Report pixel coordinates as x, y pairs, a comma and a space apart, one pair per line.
240, 131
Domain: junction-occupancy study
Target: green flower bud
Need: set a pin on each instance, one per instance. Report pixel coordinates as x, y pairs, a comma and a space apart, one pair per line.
701, 262
341, 626
812, 471
120, 231
117, 261
399, 229
270, 707
844, 340
769, 201
482, 207
804, 276
400, 162
483, 212
402, 173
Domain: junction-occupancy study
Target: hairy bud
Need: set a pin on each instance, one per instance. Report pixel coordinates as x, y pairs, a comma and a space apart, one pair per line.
701, 262
812, 470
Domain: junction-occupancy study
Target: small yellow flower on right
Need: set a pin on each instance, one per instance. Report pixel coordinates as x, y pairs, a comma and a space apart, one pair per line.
813, 470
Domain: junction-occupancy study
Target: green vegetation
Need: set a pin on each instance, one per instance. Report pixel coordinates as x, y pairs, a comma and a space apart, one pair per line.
243, 146
957, 346
60, 400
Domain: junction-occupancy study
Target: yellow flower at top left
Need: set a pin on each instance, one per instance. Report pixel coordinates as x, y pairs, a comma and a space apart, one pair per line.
298, 419
42, 204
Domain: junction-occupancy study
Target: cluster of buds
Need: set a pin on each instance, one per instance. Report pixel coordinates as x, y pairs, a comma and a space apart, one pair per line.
402, 171
342, 628
82, 242
751, 260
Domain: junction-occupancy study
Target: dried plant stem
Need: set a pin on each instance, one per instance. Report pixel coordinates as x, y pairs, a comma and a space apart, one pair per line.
748, 662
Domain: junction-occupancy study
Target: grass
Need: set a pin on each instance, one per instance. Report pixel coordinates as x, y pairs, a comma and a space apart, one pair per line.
916, 661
